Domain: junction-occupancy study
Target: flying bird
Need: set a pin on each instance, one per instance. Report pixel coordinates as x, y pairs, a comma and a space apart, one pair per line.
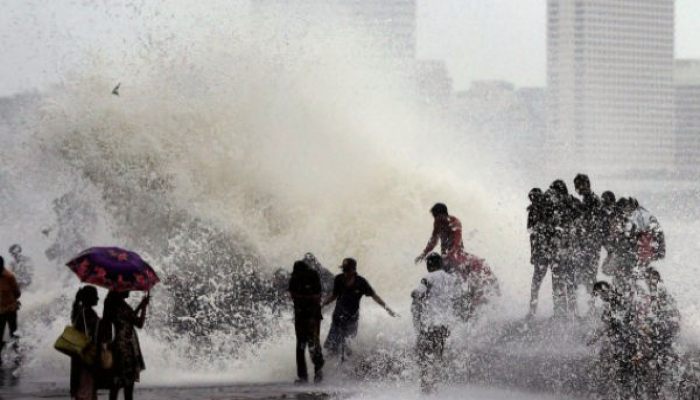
115, 91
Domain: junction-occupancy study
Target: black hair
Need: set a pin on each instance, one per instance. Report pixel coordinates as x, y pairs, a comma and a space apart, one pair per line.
433, 262
601, 286
651, 271
349, 264
534, 194
559, 187
2, 263
439, 209
82, 297
582, 179
608, 197
622, 203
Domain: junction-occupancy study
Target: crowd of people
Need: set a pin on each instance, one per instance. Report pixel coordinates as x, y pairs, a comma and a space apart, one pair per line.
573, 237
456, 286
639, 318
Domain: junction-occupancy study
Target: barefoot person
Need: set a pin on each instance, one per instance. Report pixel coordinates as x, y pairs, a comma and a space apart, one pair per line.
348, 290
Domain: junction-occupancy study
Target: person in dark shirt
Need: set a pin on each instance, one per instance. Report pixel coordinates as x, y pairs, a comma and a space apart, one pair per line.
305, 289
541, 251
348, 290
589, 235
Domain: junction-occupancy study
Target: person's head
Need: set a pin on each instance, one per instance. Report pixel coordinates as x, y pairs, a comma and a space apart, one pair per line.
559, 187
582, 184
535, 195
349, 266
15, 250
621, 204
439, 210
608, 199
633, 203
652, 275
603, 290
433, 262
85, 297
310, 258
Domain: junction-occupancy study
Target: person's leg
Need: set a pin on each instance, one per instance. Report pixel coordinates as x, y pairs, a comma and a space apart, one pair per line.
301, 328
424, 364
332, 342
558, 289
540, 270
570, 287
315, 349
12, 323
129, 391
113, 392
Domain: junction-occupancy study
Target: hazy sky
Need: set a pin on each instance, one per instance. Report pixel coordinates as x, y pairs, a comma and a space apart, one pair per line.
479, 39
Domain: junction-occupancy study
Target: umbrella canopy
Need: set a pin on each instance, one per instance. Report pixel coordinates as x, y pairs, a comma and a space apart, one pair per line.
113, 268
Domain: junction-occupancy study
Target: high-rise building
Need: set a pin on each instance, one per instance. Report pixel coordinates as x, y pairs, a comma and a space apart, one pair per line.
687, 105
610, 83
390, 23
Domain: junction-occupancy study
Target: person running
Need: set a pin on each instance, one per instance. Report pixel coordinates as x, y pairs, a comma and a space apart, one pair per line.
9, 303
305, 289
83, 377
126, 350
433, 315
348, 290
447, 230
21, 266
538, 225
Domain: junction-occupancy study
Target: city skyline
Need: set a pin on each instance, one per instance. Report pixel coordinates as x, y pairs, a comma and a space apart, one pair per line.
477, 41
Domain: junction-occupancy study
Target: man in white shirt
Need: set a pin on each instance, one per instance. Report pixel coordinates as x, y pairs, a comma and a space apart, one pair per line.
433, 314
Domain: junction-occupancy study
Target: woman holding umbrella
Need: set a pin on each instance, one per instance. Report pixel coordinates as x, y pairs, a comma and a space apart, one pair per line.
120, 271
126, 351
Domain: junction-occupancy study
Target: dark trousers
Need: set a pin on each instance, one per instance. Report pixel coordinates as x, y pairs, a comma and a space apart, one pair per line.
537, 278
564, 287
342, 328
430, 348
9, 319
308, 334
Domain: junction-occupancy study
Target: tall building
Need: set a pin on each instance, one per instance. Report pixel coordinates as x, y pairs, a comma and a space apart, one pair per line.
610, 83
390, 23
687, 105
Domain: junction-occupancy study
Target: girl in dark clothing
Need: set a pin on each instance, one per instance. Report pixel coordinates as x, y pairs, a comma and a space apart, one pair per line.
126, 352
83, 380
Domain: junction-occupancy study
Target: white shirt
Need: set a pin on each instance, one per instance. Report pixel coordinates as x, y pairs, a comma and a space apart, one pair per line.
436, 294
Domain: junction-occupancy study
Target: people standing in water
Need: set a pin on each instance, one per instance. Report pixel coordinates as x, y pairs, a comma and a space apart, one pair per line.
433, 315
126, 352
348, 290
83, 378
9, 303
305, 289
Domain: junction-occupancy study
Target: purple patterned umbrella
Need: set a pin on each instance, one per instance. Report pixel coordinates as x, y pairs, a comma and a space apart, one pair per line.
113, 268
